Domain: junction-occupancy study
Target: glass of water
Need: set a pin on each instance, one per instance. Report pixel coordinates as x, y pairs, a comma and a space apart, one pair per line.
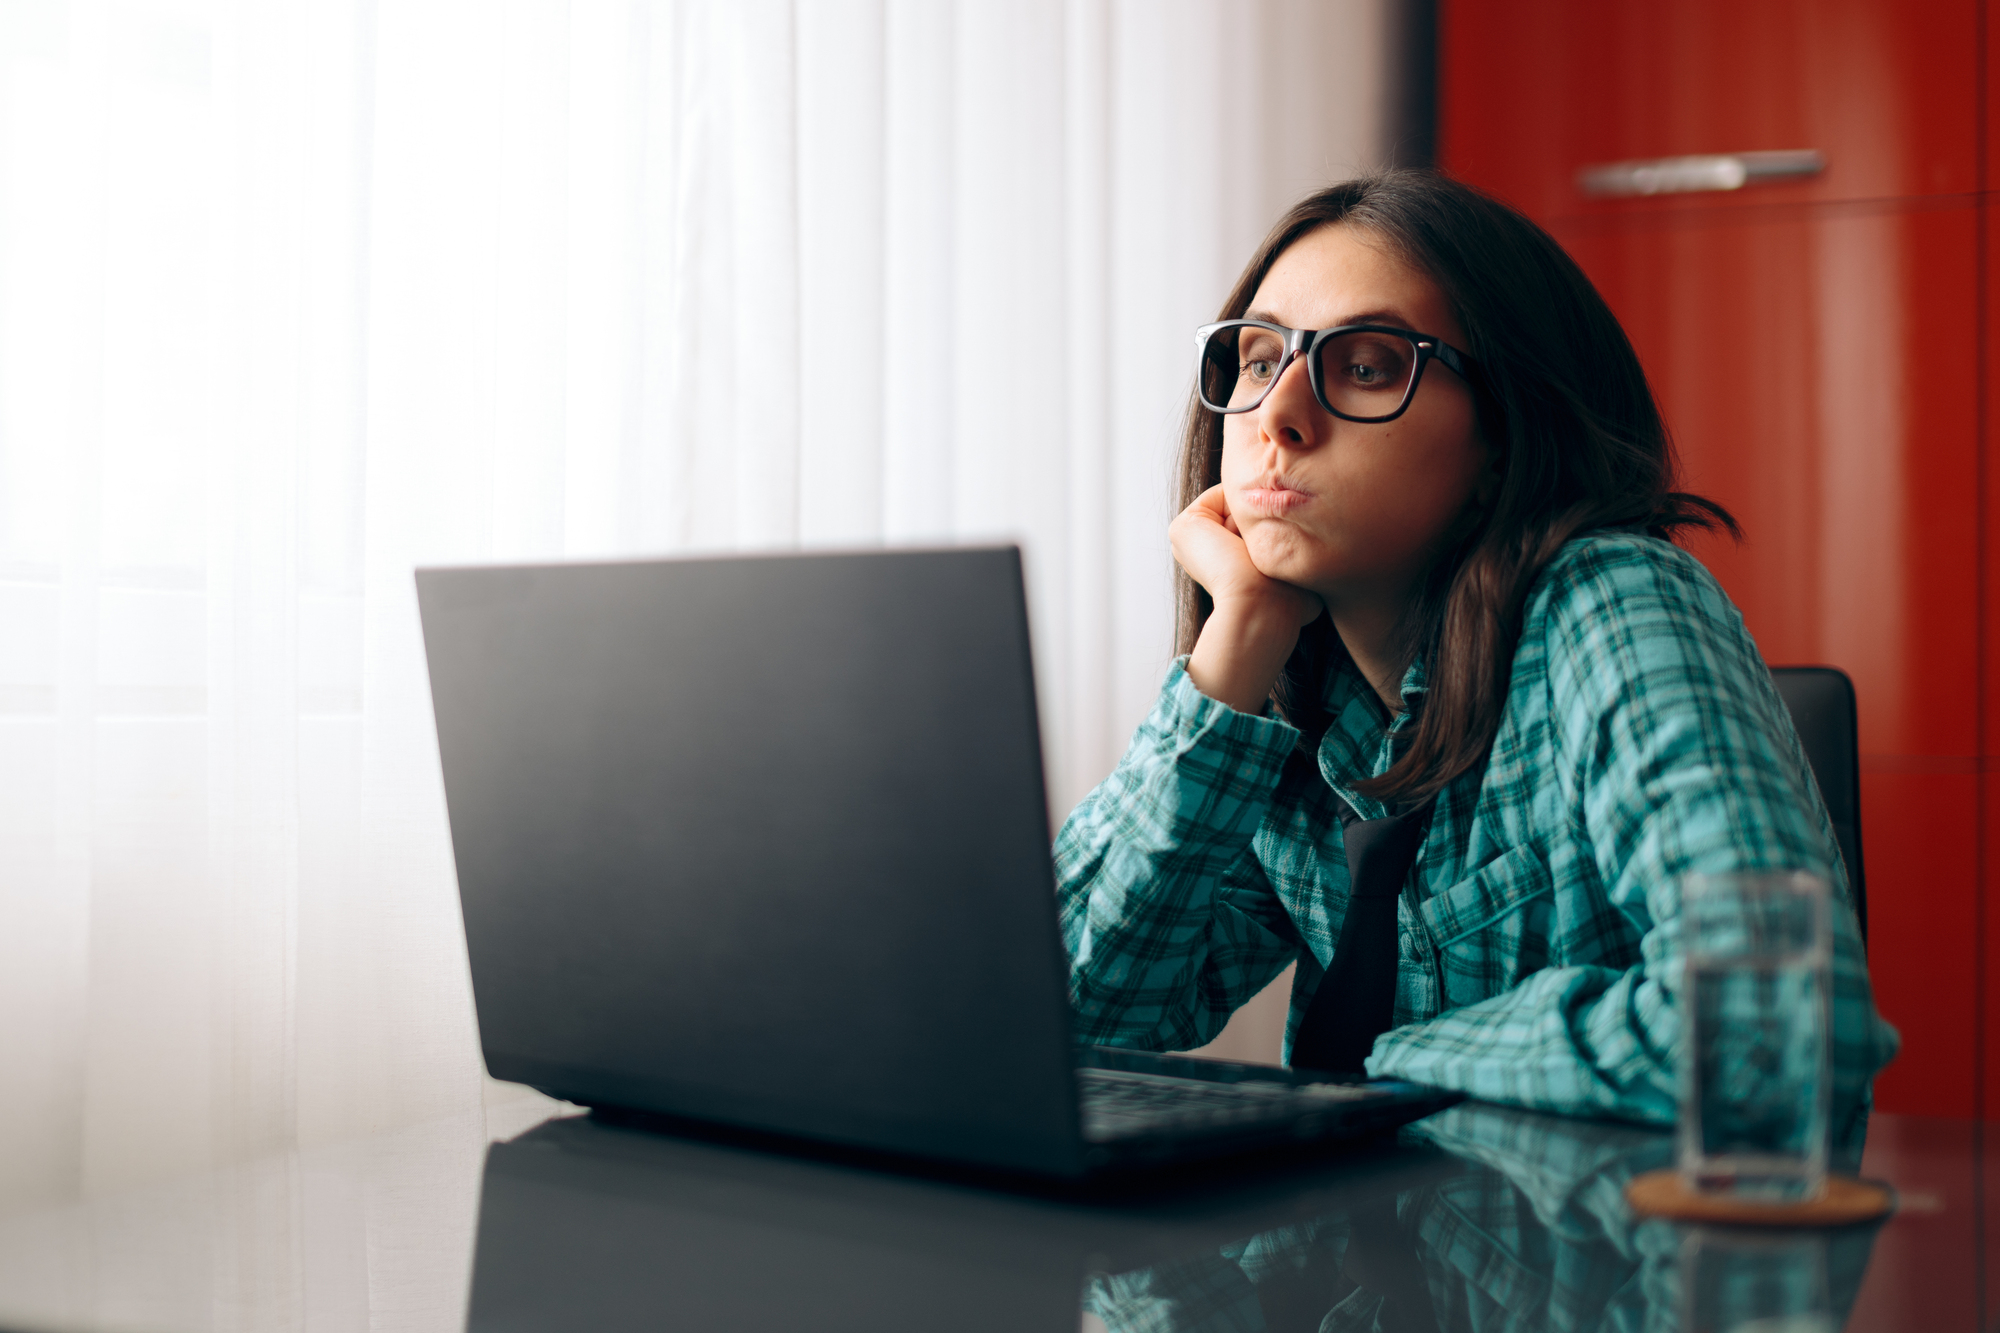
1755, 1076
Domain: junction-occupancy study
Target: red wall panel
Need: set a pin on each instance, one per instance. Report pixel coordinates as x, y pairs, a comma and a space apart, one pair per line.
1817, 350
1530, 90
1919, 831
1988, 1036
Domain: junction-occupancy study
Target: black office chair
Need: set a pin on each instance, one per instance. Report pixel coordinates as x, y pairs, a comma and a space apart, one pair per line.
1821, 700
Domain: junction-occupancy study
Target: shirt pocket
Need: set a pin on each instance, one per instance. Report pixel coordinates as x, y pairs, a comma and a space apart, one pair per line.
1491, 928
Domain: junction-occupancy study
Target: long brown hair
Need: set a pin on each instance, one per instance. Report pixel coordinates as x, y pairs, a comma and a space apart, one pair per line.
1562, 404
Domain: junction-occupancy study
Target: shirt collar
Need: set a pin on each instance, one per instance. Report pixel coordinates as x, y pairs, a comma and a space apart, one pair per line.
1413, 690
1357, 745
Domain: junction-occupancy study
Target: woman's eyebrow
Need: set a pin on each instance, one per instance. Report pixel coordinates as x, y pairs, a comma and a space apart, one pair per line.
1394, 317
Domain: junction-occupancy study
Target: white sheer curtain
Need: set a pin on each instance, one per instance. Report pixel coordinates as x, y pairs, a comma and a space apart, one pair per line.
295, 296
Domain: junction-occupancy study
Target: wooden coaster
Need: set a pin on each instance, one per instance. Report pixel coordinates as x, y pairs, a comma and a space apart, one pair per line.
1846, 1200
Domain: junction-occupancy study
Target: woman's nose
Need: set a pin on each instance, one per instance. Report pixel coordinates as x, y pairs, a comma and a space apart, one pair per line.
1290, 414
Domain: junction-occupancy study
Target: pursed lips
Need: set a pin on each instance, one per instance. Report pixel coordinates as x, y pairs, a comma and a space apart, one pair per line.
1271, 497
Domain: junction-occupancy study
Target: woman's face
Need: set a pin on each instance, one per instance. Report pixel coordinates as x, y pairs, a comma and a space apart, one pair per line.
1353, 512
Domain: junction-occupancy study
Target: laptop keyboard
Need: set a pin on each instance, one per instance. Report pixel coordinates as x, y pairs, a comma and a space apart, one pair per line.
1120, 1103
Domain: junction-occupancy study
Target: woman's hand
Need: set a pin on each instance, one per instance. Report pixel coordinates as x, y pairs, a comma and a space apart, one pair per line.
1257, 619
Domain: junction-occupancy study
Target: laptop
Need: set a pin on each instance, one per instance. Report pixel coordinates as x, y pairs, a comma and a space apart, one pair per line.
762, 842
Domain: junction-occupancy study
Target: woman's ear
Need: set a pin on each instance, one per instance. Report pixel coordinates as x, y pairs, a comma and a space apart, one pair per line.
1488, 484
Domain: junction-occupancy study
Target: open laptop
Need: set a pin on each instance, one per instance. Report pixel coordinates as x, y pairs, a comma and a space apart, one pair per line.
763, 841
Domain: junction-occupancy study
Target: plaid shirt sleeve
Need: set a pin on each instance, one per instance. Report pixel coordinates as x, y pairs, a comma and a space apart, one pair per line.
1169, 920
1671, 754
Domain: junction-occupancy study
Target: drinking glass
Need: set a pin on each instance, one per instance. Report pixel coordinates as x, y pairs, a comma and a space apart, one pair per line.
1755, 1076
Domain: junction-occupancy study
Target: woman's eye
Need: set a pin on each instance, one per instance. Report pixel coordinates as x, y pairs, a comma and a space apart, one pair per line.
1258, 370
1368, 363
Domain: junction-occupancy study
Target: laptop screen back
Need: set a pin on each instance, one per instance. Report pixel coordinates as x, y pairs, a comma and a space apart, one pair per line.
761, 840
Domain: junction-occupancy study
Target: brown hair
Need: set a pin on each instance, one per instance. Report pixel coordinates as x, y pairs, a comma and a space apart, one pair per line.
1562, 404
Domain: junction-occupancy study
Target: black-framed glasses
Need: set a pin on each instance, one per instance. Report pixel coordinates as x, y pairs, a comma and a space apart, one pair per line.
1359, 372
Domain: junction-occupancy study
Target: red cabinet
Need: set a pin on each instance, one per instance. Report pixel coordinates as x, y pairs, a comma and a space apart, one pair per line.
1820, 351
1532, 90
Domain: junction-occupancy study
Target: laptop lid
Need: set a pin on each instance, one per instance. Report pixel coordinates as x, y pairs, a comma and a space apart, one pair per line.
761, 840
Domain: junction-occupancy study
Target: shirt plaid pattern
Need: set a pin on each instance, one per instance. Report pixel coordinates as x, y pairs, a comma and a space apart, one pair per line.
1642, 740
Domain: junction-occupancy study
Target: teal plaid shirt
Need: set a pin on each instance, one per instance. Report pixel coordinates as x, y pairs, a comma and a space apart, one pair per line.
1642, 740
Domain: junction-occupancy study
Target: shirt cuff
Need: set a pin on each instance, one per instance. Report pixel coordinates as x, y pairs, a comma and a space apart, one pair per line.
1193, 719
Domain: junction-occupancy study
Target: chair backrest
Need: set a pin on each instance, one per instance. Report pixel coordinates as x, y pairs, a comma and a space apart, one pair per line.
1821, 700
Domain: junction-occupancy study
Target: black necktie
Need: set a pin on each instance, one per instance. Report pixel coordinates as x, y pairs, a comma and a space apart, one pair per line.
1356, 1000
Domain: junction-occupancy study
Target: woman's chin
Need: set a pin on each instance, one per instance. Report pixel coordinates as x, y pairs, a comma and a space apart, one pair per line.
1285, 559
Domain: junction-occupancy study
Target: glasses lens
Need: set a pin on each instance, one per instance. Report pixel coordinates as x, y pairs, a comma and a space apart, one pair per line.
1366, 374
1238, 365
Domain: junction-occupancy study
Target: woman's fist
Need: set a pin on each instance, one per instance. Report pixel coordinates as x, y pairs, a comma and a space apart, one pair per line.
1209, 546
1257, 619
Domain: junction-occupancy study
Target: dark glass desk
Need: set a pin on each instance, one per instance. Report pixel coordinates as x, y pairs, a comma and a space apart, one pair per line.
1485, 1219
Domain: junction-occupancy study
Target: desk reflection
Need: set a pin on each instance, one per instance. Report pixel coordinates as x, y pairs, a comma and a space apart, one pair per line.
584, 1225
588, 1224
1479, 1218
1530, 1233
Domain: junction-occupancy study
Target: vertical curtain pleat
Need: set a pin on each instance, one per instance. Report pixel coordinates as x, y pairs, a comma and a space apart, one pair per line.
919, 302
844, 373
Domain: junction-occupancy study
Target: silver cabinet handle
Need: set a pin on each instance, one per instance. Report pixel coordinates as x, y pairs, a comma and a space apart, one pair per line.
1688, 175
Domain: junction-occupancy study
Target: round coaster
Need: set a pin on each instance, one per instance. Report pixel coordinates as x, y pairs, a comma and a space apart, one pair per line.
1846, 1200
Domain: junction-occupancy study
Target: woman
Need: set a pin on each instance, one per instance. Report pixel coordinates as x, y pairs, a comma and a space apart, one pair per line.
1432, 625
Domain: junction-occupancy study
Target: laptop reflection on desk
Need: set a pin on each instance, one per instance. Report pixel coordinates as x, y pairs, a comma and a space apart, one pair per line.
589, 1225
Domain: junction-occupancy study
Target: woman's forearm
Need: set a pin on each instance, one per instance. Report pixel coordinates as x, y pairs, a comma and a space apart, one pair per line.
1241, 650
1151, 868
